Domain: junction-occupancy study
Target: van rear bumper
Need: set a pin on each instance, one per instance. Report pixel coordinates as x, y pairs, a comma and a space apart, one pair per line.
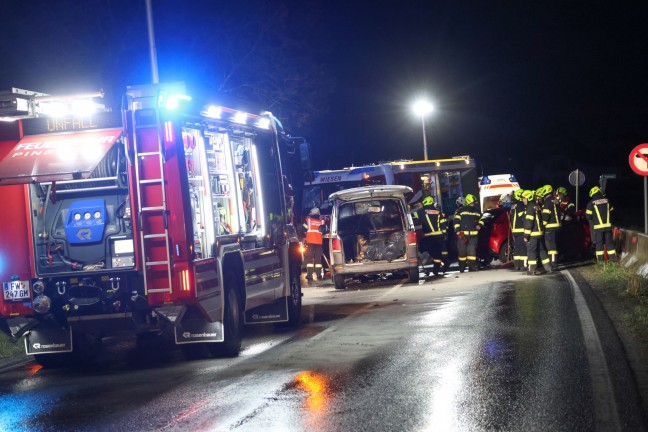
373, 267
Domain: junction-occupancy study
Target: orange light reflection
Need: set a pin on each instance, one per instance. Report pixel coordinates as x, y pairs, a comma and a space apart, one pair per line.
33, 369
317, 386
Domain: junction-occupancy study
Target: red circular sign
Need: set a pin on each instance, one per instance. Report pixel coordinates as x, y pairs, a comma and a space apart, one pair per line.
639, 159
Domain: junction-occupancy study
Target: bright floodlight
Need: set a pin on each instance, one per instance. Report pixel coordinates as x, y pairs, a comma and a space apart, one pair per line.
422, 108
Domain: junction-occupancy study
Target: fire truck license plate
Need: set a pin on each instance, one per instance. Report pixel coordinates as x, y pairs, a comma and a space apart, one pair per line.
15, 290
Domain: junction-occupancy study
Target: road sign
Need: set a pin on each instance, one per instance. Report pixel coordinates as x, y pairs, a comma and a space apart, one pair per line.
639, 159
576, 178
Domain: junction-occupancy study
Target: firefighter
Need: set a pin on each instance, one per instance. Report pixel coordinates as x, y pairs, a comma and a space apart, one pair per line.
516, 217
551, 223
598, 212
313, 256
567, 208
435, 227
534, 234
467, 223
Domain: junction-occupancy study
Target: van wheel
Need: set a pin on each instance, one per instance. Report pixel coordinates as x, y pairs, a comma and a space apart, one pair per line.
339, 282
413, 275
505, 253
232, 323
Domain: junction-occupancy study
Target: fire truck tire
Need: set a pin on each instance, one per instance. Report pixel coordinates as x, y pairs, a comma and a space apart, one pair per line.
52, 361
339, 282
295, 297
233, 323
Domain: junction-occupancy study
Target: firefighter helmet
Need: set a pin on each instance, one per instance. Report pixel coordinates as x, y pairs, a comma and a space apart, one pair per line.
540, 193
517, 194
314, 212
470, 198
561, 190
594, 191
529, 195
548, 189
459, 201
428, 201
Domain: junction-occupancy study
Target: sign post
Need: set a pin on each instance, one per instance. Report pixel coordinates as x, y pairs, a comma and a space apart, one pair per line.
639, 163
576, 178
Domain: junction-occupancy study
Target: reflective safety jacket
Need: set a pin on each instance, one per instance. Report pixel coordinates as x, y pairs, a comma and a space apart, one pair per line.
598, 211
433, 221
516, 216
550, 214
313, 234
533, 221
466, 220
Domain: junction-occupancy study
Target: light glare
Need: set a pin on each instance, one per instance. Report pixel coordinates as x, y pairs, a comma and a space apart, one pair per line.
422, 107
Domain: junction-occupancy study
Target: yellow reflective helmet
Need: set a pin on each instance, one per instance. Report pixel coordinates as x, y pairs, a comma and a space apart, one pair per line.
594, 191
547, 189
428, 201
470, 198
528, 194
517, 194
562, 190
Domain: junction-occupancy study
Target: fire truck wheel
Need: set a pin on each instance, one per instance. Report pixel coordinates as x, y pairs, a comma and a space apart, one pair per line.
295, 297
233, 323
339, 282
52, 361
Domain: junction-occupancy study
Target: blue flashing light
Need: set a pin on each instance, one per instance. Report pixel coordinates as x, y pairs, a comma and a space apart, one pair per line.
171, 102
485, 180
513, 179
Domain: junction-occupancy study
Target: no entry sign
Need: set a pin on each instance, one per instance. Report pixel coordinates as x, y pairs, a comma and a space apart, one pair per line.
639, 159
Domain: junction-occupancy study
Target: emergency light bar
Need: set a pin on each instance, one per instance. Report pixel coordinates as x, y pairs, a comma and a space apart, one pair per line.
17, 104
238, 117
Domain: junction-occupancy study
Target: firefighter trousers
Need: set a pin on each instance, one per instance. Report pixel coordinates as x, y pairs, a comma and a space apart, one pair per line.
467, 252
550, 242
313, 258
433, 245
536, 250
604, 238
519, 251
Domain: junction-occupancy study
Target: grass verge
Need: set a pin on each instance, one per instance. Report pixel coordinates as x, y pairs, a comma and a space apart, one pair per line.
628, 287
8, 348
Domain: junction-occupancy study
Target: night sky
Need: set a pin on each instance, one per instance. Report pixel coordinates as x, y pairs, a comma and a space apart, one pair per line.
534, 88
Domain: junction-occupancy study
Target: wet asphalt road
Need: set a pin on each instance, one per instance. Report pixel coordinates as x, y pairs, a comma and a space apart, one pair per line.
493, 350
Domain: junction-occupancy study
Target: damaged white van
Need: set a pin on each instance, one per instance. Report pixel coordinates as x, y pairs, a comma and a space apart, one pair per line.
372, 233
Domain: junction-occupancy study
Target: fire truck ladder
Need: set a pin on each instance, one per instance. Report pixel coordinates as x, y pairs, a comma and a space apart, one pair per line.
152, 217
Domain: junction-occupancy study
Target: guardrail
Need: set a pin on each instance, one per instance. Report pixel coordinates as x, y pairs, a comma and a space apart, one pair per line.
632, 247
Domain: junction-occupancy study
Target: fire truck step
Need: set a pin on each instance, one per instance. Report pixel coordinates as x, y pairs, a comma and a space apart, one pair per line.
156, 208
154, 153
159, 290
155, 263
150, 181
148, 236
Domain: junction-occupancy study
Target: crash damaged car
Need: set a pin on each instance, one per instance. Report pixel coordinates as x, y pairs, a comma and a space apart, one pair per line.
372, 233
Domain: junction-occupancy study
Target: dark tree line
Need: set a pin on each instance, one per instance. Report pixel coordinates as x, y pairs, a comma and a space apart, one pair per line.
264, 55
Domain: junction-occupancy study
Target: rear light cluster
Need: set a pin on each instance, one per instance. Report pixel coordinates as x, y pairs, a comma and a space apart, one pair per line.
336, 246
411, 238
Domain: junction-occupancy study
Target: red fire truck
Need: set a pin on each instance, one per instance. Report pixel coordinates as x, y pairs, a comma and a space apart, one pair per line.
149, 219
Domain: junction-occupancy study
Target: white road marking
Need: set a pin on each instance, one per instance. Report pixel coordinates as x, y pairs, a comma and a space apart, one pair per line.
605, 408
